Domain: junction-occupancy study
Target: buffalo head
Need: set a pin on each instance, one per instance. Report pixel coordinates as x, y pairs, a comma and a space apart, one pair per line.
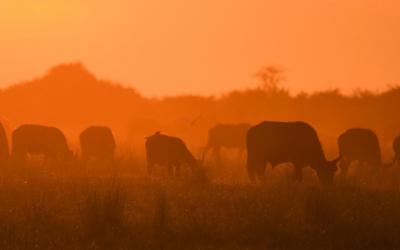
327, 171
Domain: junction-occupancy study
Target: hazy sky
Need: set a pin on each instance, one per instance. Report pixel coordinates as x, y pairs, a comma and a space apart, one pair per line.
205, 46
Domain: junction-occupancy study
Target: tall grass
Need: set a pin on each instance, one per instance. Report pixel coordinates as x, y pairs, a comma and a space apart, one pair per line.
132, 212
103, 216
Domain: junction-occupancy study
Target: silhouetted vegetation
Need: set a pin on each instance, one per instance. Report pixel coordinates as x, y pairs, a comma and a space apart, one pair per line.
71, 98
126, 214
214, 207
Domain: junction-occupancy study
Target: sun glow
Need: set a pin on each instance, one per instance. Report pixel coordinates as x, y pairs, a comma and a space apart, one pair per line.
205, 47
36, 12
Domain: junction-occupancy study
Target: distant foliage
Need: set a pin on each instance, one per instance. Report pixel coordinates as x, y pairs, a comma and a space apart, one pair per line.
69, 97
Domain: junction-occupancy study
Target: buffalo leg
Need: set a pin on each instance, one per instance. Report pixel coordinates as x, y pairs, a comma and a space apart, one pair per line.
256, 170
170, 170
344, 167
372, 169
240, 153
217, 155
18, 159
298, 173
261, 172
84, 162
112, 165
376, 165
177, 170
205, 153
251, 171
150, 167
49, 162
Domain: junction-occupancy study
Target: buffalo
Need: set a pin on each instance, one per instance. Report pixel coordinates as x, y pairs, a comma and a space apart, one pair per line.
287, 142
168, 151
361, 145
4, 149
231, 136
396, 148
97, 143
40, 140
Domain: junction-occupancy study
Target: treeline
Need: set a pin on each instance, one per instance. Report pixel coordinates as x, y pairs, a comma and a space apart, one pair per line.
71, 98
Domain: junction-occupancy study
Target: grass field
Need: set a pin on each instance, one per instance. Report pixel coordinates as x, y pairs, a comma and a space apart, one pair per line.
44, 211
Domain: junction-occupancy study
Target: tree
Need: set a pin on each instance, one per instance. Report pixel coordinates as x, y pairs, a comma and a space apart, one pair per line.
270, 76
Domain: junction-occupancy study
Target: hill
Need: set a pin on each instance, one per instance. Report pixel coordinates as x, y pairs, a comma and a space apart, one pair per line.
71, 98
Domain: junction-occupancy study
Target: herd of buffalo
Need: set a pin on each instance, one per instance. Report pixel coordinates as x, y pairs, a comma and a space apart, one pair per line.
269, 142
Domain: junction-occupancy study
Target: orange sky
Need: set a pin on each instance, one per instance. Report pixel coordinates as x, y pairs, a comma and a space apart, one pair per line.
207, 46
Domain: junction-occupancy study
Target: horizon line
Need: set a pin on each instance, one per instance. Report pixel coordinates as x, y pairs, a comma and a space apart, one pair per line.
350, 93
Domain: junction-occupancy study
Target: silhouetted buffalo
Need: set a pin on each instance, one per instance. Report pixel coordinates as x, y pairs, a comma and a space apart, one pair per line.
168, 151
97, 143
40, 140
4, 150
281, 142
358, 144
396, 148
226, 136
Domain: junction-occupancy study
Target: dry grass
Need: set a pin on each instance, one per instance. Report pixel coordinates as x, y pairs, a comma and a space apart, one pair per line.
44, 212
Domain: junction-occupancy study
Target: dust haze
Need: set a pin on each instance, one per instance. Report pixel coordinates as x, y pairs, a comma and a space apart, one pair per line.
173, 172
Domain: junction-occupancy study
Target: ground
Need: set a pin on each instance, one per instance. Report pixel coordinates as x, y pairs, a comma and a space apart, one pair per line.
43, 211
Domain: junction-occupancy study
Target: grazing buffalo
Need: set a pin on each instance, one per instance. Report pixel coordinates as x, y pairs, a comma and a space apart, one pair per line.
4, 149
361, 145
40, 140
97, 143
232, 136
168, 151
396, 148
287, 142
